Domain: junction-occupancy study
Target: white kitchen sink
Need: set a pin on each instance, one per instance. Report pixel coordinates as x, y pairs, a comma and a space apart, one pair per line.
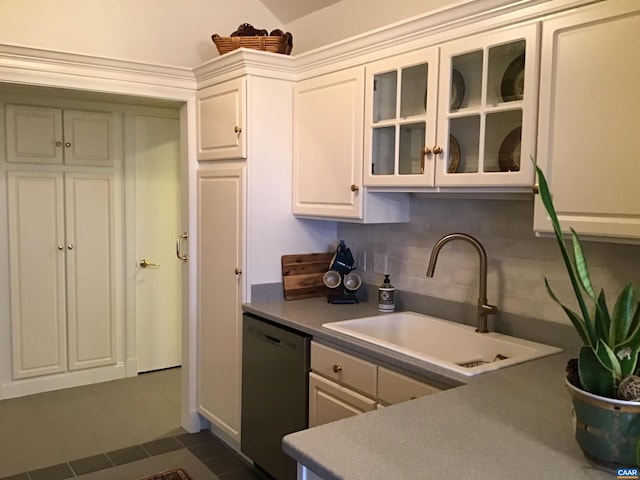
440, 342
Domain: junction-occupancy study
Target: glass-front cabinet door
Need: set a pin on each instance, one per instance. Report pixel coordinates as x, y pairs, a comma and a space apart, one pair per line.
400, 120
487, 110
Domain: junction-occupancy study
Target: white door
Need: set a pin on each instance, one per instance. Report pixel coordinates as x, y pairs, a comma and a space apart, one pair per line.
158, 302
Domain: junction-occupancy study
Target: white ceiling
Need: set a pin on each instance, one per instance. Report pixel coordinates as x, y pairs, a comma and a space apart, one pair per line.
288, 10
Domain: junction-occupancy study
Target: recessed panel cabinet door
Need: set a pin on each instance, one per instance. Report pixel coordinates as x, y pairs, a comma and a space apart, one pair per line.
588, 142
221, 125
220, 233
34, 134
90, 270
88, 138
37, 252
328, 142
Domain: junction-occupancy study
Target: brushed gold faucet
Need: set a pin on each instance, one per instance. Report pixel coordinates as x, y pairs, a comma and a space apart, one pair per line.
484, 308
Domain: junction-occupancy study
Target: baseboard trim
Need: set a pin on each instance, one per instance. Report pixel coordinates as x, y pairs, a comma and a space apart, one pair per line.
30, 386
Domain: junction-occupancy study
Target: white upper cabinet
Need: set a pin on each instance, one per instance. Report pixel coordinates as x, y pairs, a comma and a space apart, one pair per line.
400, 119
589, 120
327, 145
221, 131
327, 153
462, 115
487, 111
45, 135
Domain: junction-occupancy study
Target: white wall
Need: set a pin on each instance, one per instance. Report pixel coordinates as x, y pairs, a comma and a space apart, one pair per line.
178, 33
166, 32
352, 17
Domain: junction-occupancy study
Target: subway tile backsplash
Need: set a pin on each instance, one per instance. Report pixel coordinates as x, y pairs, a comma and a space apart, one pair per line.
518, 261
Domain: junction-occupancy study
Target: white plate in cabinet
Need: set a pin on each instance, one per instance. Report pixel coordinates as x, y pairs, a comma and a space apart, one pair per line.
329, 401
221, 121
589, 118
394, 387
488, 93
343, 368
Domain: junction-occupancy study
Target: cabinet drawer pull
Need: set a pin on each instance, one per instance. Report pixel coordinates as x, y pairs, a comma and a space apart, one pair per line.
337, 368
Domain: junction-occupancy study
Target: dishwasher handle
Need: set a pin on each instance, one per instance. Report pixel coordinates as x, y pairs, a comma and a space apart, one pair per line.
270, 338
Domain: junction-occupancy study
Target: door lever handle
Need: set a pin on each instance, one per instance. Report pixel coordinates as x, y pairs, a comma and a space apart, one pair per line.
144, 263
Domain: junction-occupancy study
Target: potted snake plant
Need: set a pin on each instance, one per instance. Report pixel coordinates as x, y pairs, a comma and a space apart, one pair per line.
603, 381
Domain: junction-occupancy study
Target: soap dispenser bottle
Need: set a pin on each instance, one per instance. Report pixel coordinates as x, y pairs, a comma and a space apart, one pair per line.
386, 296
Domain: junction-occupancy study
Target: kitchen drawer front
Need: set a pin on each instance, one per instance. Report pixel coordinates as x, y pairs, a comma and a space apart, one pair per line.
394, 387
329, 401
345, 369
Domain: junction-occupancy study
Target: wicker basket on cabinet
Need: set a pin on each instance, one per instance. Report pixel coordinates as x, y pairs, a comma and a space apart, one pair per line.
267, 43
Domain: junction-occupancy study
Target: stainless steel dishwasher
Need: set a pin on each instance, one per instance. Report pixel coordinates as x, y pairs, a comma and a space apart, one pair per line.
275, 392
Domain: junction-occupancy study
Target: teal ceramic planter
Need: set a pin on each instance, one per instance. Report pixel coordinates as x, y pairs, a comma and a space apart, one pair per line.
607, 430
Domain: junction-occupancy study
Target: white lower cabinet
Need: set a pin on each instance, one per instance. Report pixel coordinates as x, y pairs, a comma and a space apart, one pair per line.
329, 401
341, 385
62, 264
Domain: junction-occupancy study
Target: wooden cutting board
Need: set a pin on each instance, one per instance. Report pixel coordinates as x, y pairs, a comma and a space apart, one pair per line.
302, 275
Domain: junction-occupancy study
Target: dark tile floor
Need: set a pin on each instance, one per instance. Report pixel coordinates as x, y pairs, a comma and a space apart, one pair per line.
160, 440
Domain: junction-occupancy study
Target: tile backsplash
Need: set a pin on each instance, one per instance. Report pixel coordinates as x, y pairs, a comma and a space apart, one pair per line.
518, 260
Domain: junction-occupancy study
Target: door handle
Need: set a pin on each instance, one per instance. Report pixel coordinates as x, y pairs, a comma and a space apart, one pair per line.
144, 263
182, 236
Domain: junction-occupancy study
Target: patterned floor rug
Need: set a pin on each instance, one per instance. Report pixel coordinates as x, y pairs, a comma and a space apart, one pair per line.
173, 474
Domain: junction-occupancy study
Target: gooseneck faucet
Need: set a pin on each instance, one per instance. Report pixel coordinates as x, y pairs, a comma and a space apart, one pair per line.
484, 308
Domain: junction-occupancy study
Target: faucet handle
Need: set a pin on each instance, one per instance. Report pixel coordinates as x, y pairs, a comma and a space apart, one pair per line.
486, 309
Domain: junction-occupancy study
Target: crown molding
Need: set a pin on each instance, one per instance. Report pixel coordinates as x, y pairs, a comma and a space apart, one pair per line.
34, 66
435, 27
245, 61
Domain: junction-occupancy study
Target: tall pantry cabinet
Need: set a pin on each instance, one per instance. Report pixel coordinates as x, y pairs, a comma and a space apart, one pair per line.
244, 219
61, 225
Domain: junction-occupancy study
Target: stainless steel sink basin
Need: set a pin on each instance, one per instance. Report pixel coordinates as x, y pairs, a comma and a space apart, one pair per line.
440, 342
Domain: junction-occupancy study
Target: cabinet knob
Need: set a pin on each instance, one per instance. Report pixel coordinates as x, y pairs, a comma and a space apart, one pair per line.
68, 144
237, 130
337, 368
437, 149
70, 246
60, 247
355, 188
238, 271
426, 150
58, 144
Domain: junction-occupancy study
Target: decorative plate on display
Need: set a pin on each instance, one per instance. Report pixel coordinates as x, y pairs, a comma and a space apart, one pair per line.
457, 90
454, 155
509, 154
512, 87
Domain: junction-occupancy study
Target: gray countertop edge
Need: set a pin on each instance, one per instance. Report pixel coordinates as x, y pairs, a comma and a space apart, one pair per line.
511, 423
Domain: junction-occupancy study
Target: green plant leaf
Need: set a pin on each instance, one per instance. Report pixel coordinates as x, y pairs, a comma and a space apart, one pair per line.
608, 359
581, 265
602, 319
622, 316
594, 377
545, 195
588, 337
